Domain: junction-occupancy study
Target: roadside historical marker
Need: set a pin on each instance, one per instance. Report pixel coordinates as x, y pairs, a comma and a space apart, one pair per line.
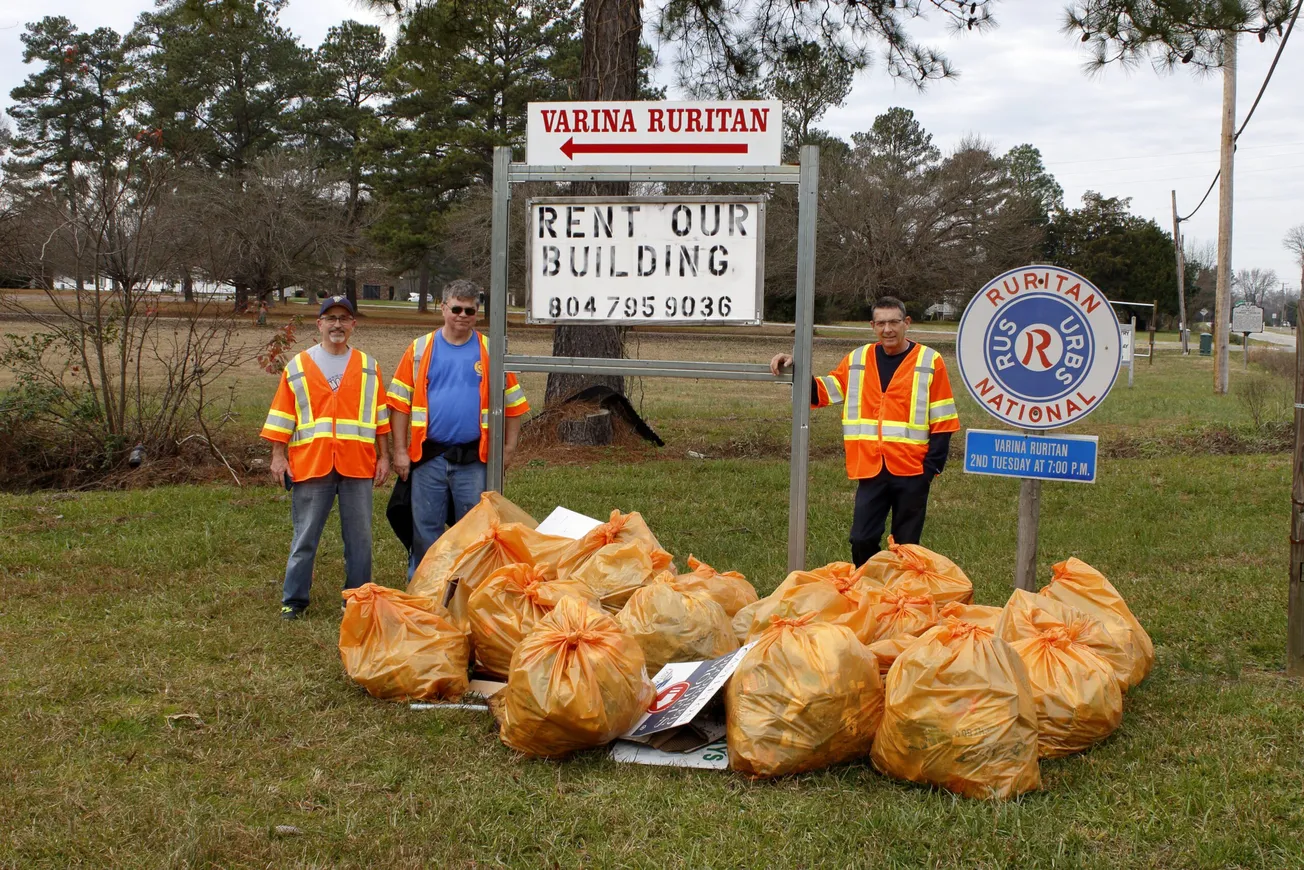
1038, 348
665, 133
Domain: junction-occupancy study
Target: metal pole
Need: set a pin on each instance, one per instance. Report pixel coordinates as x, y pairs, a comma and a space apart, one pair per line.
807, 212
1223, 298
1154, 316
502, 193
1245, 349
1025, 565
1295, 599
1181, 281
1131, 360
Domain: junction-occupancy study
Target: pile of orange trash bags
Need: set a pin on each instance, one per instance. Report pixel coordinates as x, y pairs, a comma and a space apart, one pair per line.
891, 661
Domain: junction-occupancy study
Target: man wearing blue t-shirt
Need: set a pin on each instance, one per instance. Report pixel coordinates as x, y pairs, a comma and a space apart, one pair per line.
440, 417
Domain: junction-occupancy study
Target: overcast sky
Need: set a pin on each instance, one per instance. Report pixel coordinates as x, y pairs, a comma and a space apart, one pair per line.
1128, 133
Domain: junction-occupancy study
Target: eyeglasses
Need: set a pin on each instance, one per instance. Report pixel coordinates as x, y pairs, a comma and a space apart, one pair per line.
884, 324
458, 309
340, 318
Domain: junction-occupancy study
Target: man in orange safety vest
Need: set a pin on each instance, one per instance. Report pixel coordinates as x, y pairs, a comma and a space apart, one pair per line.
898, 414
439, 399
329, 428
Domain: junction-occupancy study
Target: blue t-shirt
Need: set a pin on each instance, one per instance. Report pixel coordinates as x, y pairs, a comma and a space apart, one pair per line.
453, 391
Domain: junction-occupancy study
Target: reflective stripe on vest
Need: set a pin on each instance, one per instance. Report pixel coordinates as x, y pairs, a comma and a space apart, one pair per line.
915, 430
307, 428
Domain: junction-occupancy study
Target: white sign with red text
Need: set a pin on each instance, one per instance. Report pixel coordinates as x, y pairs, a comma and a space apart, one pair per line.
1039, 347
711, 133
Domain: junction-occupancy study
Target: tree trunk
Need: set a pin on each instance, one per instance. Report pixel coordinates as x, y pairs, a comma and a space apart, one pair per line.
187, 285
608, 71
241, 297
423, 284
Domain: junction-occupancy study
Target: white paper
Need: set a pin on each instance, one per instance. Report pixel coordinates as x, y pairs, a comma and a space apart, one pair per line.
713, 756
565, 523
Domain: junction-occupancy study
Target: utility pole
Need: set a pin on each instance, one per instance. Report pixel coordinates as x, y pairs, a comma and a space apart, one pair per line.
1181, 281
1295, 595
1222, 306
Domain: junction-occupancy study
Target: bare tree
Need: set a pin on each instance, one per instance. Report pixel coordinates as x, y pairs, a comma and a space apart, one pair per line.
1294, 243
1254, 285
103, 371
283, 222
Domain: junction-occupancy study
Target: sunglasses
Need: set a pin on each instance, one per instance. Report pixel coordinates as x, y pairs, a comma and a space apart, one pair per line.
458, 309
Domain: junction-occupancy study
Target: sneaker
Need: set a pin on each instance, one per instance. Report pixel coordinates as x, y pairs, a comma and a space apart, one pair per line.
288, 612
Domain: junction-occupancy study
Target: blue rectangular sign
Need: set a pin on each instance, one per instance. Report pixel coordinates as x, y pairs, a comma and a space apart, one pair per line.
1041, 457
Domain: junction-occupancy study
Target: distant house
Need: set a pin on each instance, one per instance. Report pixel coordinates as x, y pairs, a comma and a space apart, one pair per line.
941, 311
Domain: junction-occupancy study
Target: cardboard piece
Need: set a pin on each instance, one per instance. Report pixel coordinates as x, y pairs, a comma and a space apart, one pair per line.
679, 722
566, 523
713, 756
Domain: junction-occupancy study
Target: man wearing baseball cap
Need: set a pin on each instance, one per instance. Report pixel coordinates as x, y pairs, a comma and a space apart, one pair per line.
328, 426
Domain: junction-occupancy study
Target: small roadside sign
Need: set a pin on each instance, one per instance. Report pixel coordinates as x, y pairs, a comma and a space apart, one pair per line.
655, 133
1039, 457
1125, 331
1247, 318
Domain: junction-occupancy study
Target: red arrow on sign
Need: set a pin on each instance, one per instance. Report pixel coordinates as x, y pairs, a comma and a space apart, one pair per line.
570, 148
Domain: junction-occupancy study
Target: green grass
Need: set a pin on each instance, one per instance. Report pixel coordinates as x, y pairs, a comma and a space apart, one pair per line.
119, 610
122, 609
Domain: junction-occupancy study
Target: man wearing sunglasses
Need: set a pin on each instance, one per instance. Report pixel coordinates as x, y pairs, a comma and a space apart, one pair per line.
898, 414
329, 428
439, 400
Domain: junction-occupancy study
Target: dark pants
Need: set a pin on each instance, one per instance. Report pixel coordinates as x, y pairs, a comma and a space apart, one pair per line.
905, 497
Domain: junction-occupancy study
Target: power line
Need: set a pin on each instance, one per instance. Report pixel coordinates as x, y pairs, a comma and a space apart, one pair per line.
1054, 163
1280, 46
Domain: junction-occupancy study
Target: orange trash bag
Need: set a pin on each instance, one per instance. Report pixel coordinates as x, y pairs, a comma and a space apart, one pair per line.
905, 608
808, 695
620, 529
1077, 584
508, 604
978, 614
676, 626
843, 602
401, 647
615, 571
577, 681
438, 561
729, 589
960, 714
1079, 699
888, 649
499, 545
944, 579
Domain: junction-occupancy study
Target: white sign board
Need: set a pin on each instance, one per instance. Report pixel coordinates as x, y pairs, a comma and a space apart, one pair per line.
1247, 318
1039, 347
628, 260
1125, 333
711, 133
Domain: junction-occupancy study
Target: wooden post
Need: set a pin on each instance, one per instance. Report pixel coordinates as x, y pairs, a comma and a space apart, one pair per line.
1181, 282
1222, 306
1025, 565
1295, 600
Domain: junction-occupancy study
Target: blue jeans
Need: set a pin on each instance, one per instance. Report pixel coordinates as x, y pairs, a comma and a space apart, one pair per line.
310, 504
432, 483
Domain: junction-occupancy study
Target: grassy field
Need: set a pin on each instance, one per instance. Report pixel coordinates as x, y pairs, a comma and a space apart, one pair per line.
158, 713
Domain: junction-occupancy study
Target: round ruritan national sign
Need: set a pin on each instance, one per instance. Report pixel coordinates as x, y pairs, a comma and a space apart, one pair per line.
1039, 347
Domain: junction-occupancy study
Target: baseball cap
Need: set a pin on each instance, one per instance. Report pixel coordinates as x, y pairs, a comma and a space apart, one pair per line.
333, 301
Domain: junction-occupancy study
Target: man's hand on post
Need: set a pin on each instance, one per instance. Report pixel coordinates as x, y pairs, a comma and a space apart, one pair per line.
780, 362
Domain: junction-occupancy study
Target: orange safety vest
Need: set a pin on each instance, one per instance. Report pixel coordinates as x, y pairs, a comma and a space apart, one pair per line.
889, 427
329, 429
407, 392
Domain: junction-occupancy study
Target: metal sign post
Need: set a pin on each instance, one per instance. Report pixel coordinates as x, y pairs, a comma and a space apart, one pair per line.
1247, 319
805, 176
1038, 348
